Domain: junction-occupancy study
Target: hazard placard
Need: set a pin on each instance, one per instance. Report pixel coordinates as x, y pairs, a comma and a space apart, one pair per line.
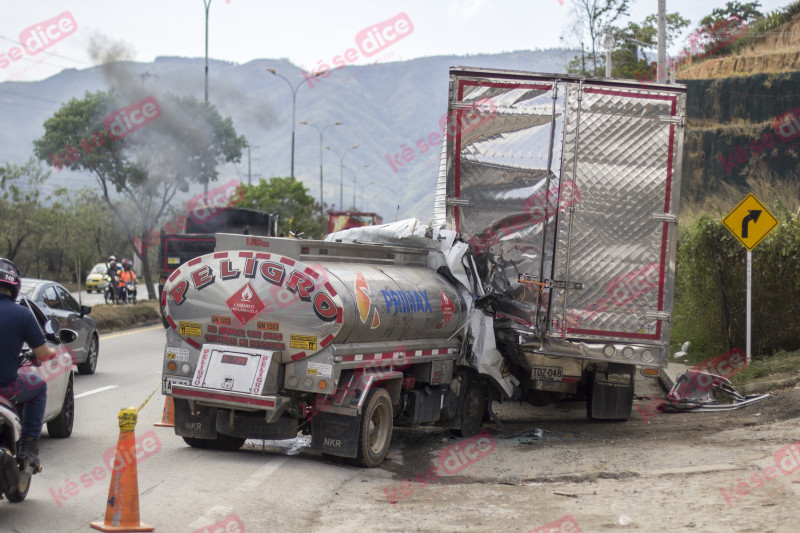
750, 221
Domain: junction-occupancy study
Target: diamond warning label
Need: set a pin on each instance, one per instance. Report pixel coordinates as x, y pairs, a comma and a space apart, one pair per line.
245, 304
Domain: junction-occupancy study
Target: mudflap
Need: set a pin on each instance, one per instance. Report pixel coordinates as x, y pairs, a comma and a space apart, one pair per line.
335, 434
200, 424
611, 393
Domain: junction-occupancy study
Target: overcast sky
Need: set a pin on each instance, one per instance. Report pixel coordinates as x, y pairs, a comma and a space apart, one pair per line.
310, 33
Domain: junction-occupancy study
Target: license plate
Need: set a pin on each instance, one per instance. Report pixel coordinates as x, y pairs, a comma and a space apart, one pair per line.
169, 382
547, 373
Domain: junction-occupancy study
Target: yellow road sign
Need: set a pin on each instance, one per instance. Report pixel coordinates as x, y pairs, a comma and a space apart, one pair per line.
750, 221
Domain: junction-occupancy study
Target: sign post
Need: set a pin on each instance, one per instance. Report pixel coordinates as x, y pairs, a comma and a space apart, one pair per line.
750, 222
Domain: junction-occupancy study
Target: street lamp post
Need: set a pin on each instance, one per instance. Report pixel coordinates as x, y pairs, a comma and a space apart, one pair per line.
294, 89
207, 4
341, 172
355, 177
321, 133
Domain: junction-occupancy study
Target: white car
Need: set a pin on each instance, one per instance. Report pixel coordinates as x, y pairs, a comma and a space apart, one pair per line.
59, 414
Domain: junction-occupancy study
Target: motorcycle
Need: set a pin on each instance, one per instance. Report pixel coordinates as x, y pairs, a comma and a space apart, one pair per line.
128, 293
109, 293
16, 471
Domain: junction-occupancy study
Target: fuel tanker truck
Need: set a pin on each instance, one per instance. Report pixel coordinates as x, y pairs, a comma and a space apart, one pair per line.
547, 272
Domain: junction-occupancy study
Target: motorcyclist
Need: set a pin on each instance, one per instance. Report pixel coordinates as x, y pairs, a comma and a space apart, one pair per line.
17, 326
111, 270
125, 275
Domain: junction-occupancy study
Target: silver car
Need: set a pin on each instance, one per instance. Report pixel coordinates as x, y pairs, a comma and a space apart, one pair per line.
59, 412
55, 301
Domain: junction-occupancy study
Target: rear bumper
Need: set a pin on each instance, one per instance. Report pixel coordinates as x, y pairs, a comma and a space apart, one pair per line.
274, 405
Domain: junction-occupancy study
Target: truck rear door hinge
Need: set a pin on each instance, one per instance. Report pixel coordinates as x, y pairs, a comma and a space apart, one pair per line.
657, 315
668, 119
458, 202
551, 283
666, 217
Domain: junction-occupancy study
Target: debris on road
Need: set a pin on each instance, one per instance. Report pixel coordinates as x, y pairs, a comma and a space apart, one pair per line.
697, 391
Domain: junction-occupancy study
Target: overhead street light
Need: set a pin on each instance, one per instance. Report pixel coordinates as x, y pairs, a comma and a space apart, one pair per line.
321, 133
341, 172
355, 177
294, 89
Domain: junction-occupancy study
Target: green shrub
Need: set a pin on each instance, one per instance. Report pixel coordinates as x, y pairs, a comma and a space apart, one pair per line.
710, 288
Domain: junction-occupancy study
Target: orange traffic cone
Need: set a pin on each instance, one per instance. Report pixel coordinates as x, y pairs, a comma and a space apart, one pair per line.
122, 508
168, 414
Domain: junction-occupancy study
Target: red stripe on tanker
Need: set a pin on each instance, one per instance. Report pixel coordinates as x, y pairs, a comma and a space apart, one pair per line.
331, 303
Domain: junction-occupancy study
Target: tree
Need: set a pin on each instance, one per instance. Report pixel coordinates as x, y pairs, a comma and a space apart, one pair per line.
633, 37
747, 11
20, 203
595, 16
143, 152
291, 200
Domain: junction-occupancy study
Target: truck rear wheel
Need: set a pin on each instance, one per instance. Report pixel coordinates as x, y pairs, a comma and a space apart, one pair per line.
222, 442
375, 433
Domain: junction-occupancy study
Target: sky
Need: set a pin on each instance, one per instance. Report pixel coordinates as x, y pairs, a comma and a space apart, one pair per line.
312, 34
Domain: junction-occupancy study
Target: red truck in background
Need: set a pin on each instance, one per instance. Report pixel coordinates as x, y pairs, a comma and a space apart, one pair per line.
339, 220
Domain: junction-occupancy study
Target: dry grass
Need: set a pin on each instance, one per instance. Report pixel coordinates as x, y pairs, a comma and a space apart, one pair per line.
768, 188
111, 317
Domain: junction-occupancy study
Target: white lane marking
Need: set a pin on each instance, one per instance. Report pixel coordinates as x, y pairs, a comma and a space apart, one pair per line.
259, 476
213, 515
95, 391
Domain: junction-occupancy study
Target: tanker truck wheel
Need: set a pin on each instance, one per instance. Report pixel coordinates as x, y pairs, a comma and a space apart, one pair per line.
375, 434
473, 405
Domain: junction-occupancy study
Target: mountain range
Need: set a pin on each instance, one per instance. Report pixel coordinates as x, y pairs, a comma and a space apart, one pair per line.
390, 110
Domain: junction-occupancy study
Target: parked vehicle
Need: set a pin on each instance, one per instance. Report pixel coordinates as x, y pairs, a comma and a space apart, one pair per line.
199, 237
341, 220
548, 272
98, 279
15, 471
57, 302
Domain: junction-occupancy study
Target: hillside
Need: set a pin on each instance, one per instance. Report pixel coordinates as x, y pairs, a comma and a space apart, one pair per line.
772, 51
737, 108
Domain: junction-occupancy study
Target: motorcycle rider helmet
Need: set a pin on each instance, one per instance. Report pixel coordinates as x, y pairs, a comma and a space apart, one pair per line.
112, 258
9, 276
127, 264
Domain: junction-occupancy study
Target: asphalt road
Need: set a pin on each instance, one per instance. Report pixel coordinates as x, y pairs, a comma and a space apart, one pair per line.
655, 472
95, 298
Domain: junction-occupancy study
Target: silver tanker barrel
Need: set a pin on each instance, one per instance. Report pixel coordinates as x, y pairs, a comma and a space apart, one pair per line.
273, 302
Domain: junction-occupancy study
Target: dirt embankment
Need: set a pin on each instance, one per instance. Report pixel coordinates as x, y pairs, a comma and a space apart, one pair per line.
774, 51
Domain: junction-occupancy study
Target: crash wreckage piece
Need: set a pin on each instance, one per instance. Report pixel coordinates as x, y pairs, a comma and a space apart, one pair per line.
694, 391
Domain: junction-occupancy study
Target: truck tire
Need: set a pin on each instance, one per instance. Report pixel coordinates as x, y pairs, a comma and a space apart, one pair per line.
222, 442
375, 433
473, 405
